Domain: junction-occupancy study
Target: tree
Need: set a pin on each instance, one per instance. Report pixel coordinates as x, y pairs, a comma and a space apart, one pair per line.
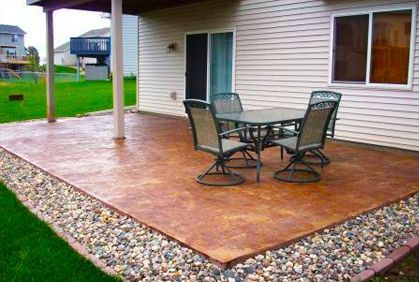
33, 58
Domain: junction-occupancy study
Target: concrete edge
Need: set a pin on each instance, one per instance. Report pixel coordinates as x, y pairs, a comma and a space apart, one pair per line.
76, 246
127, 109
388, 262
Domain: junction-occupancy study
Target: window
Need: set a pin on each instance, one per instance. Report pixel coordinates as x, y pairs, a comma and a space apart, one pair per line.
383, 57
15, 38
351, 48
11, 52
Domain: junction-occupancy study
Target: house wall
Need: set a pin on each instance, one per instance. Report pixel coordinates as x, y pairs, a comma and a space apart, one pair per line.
6, 40
130, 37
282, 54
65, 58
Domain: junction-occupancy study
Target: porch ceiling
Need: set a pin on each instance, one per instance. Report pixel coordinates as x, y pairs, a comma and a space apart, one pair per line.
131, 7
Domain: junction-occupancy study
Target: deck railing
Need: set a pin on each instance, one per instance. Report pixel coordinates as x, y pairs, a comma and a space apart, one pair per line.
5, 58
90, 46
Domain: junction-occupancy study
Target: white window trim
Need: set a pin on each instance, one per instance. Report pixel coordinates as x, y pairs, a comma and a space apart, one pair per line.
209, 32
367, 83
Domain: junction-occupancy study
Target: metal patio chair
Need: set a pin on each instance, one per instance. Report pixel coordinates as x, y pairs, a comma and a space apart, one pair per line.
230, 103
208, 137
311, 136
320, 96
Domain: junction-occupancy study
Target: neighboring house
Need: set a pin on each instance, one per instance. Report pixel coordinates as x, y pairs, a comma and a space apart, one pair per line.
62, 54
274, 53
12, 47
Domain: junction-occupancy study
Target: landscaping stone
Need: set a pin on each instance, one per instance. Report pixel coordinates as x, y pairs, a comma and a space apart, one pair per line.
136, 252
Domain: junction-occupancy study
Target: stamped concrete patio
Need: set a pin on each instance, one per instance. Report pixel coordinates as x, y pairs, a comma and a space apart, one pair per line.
150, 176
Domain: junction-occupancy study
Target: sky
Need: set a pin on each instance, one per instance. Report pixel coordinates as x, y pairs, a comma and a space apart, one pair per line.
31, 19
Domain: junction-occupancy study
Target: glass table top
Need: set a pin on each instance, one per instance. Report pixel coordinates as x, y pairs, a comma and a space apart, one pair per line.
264, 116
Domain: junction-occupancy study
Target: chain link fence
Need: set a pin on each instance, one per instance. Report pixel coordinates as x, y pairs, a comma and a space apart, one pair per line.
7, 75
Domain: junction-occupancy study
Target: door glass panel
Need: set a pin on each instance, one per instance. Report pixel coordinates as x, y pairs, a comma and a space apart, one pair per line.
221, 62
391, 47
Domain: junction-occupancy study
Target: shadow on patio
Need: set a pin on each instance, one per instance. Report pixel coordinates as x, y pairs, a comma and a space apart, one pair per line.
150, 176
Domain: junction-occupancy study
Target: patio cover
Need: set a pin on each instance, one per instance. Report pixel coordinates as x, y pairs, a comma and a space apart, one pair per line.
131, 7
116, 8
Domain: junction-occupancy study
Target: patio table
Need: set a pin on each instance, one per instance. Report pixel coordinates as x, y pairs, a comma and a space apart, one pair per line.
260, 119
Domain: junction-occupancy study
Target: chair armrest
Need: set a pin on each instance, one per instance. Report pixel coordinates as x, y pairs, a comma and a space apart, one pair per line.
235, 130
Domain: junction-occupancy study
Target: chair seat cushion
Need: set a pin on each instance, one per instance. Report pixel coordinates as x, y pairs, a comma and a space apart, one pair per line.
291, 143
229, 146
232, 145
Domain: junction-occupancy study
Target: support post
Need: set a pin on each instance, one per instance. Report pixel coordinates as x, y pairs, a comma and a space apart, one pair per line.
50, 67
117, 68
78, 68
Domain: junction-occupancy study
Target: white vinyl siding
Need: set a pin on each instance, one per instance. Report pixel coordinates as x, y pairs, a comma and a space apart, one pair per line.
282, 54
130, 37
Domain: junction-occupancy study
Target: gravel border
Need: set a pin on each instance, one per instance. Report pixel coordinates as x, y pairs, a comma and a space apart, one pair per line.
119, 244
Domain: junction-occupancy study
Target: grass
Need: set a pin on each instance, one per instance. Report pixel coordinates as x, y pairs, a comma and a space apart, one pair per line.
31, 251
65, 69
72, 98
407, 270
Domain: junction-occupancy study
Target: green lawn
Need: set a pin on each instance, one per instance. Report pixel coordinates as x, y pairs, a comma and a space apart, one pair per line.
30, 250
72, 98
407, 270
65, 69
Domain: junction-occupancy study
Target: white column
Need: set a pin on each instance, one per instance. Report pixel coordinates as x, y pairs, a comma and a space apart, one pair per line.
117, 68
78, 68
50, 67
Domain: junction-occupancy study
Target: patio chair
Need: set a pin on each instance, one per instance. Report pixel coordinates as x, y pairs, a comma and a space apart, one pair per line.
230, 103
311, 136
207, 137
320, 96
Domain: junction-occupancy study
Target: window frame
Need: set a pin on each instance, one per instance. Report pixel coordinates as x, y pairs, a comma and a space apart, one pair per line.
367, 83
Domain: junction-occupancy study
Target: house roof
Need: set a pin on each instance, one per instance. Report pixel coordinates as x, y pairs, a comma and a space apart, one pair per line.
91, 33
96, 32
11, 29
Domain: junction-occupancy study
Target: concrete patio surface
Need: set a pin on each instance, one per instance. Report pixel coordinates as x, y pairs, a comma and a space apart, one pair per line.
150, 176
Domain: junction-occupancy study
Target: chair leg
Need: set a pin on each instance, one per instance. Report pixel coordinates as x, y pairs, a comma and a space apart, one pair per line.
317, 157
282, 153
288, 173
233, 178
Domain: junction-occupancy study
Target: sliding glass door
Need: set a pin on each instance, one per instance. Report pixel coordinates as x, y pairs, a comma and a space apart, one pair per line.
209, 64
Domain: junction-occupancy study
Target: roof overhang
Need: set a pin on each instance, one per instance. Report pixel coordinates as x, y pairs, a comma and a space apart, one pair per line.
131, 7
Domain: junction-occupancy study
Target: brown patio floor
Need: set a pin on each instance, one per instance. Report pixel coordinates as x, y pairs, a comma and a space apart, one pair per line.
150, 176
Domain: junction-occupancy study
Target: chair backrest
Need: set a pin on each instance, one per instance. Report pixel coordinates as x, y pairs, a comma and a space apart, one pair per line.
205, 128
313, 128
226, 103
325, 95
